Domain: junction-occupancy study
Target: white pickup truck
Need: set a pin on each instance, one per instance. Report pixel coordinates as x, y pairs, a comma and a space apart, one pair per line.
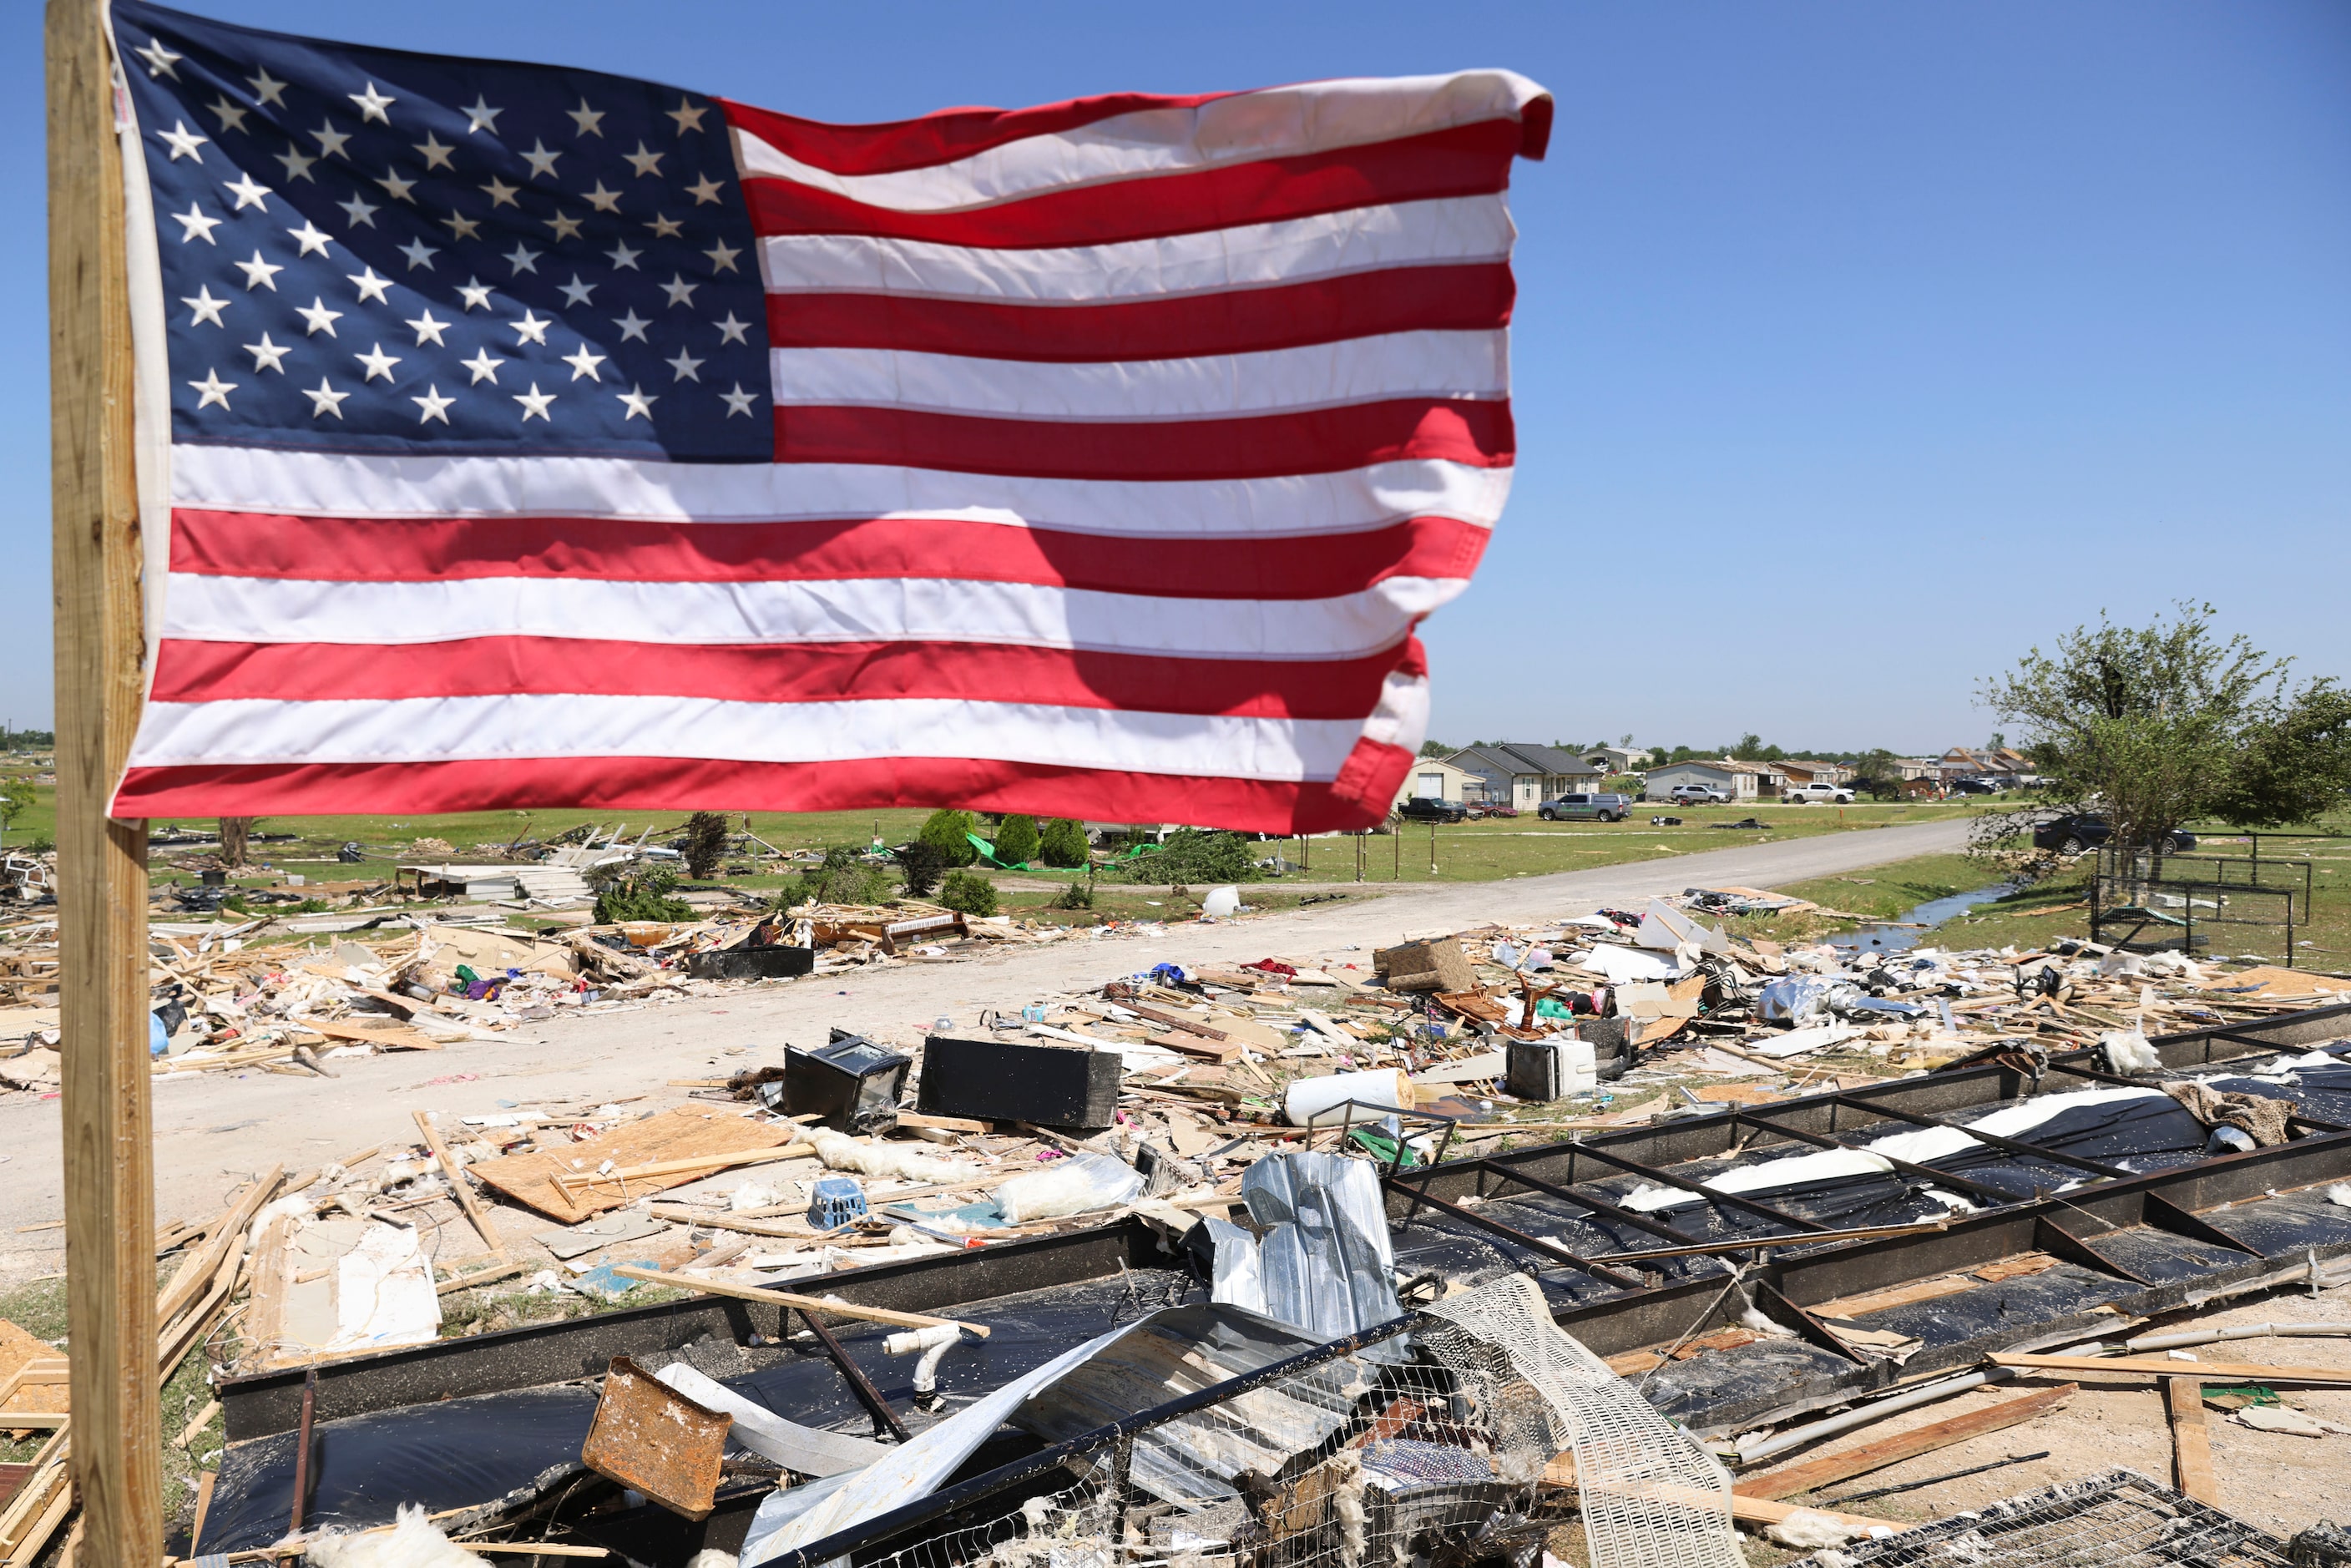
1805, 794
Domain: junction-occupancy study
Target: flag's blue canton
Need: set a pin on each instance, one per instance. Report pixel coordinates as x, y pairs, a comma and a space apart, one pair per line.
377, 251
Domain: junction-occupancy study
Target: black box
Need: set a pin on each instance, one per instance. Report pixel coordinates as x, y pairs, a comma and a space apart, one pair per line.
752, 962
1011, 1080
1536, 1071
853, 1084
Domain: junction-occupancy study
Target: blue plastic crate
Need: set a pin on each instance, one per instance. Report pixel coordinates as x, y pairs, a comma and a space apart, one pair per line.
835, 1201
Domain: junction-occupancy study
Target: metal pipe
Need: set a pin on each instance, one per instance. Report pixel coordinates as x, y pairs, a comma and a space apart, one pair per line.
302, 1449
1765, 1445
859, 1384
1935, 1480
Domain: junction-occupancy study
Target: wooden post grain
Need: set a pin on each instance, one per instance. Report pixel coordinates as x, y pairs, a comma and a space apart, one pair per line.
101, 862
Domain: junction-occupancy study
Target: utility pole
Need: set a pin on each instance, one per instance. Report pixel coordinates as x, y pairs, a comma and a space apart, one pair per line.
116, 1444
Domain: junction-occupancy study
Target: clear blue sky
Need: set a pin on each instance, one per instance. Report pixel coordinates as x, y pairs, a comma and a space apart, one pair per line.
1859, 346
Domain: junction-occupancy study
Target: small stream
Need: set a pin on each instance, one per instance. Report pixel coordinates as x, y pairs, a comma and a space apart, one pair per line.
1878, 940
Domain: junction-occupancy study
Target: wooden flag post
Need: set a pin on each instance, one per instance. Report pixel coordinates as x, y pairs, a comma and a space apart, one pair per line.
102, 992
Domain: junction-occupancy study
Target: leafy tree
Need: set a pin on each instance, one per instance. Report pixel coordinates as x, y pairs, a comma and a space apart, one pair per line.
1191, 857
922, 864
639, 892
1878, 774
1016, 841
843, 876
2158, 726
16, 797
1062, 843
945, 831
968, 893
1437, 748
706, 842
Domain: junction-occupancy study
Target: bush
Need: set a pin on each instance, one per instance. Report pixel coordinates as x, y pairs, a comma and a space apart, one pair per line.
705, 844
1016, 841
846, 876
945, 832
641, 892
1077, 896
1192, 857
922, 867
1063, 842
969, 894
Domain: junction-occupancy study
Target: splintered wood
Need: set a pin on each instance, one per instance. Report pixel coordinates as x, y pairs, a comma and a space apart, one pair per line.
681, 1133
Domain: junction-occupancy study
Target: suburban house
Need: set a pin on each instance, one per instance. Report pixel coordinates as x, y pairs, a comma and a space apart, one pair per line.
1433, 778
1618, 759
1928, 768
1742, 781
1796, 771
1985, 762
1523, 775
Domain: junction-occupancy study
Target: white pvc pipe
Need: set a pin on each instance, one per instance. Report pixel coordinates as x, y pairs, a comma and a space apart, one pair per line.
2251, 1331
1312, 1102
1755, 1452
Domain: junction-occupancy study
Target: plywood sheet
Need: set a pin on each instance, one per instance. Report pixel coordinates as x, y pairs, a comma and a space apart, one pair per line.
679, 1134
17, 1348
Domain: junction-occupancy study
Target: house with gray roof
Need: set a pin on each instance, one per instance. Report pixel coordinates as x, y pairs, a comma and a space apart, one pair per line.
1523, 775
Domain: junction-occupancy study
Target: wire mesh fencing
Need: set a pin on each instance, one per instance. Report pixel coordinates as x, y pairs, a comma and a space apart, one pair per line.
1432, 1442
2119, 1520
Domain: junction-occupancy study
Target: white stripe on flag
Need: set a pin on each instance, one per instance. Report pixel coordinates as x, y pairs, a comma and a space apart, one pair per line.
205, 608
1247, 256
439, 729
1277, 122
345, 484
1463, 365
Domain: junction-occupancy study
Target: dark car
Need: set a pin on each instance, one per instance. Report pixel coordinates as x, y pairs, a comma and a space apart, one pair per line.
1974, 787
1428, 808
2087, 830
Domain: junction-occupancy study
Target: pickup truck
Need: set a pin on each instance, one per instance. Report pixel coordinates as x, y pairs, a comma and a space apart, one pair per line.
1804, 794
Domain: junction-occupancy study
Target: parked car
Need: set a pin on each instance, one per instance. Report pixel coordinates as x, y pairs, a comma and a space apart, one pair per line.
1974, 787
1478, 813
2080, 830
1585, 807
1429, 808
1697, 795
1805, 794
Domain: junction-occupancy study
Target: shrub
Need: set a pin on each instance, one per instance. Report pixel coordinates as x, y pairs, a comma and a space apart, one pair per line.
845, 876
641, 892
923, 866
705, 844
969, 894
1016, 841
1077, 896
1063, 842
1193, 858
945, 832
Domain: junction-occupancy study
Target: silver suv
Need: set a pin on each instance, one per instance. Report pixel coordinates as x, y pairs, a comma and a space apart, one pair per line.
1697, 795
1585, 807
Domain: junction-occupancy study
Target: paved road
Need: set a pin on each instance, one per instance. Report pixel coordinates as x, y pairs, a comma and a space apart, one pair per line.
210, 1132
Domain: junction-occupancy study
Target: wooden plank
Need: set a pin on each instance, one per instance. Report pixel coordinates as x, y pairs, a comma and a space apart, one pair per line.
1867, 1302
96, 551
682, 1132
463, 1188
1810, 1475
691, 1169
2164, 1366
799, 1303
265, 1327
1743, 1507
401, 1039
227, 1232
2191, 1445
945, 1123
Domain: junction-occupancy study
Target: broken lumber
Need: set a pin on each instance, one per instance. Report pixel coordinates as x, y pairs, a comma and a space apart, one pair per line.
1744, 1507
700, 1165
1810, 1475
796, 1303
2191, 1445
460, 1187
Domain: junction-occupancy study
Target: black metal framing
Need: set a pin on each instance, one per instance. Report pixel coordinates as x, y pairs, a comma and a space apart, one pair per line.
1907, 1167
1652, 1173
1616, 1277
1991, 1139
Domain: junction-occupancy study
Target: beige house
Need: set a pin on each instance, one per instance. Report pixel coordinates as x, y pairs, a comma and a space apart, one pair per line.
1435, 779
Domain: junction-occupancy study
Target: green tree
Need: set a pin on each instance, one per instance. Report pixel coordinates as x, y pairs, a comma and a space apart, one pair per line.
1877, 774
945, 832
922, 865
843, 876
639, 892
1437, 748
968, 893
706, 842
1062, 843
1016, 841
16, 797
1194, 857
2161, 724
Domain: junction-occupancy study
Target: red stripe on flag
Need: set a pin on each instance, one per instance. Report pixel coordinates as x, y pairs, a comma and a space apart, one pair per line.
401, 549
1455, 430
193, 671
1472, 297
935, 139
1359, 798
1464, 161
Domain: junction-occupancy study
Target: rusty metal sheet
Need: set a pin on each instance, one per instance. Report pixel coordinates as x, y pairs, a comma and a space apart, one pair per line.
652, 1438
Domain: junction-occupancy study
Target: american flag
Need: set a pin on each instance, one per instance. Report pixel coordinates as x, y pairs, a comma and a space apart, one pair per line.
544, 437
